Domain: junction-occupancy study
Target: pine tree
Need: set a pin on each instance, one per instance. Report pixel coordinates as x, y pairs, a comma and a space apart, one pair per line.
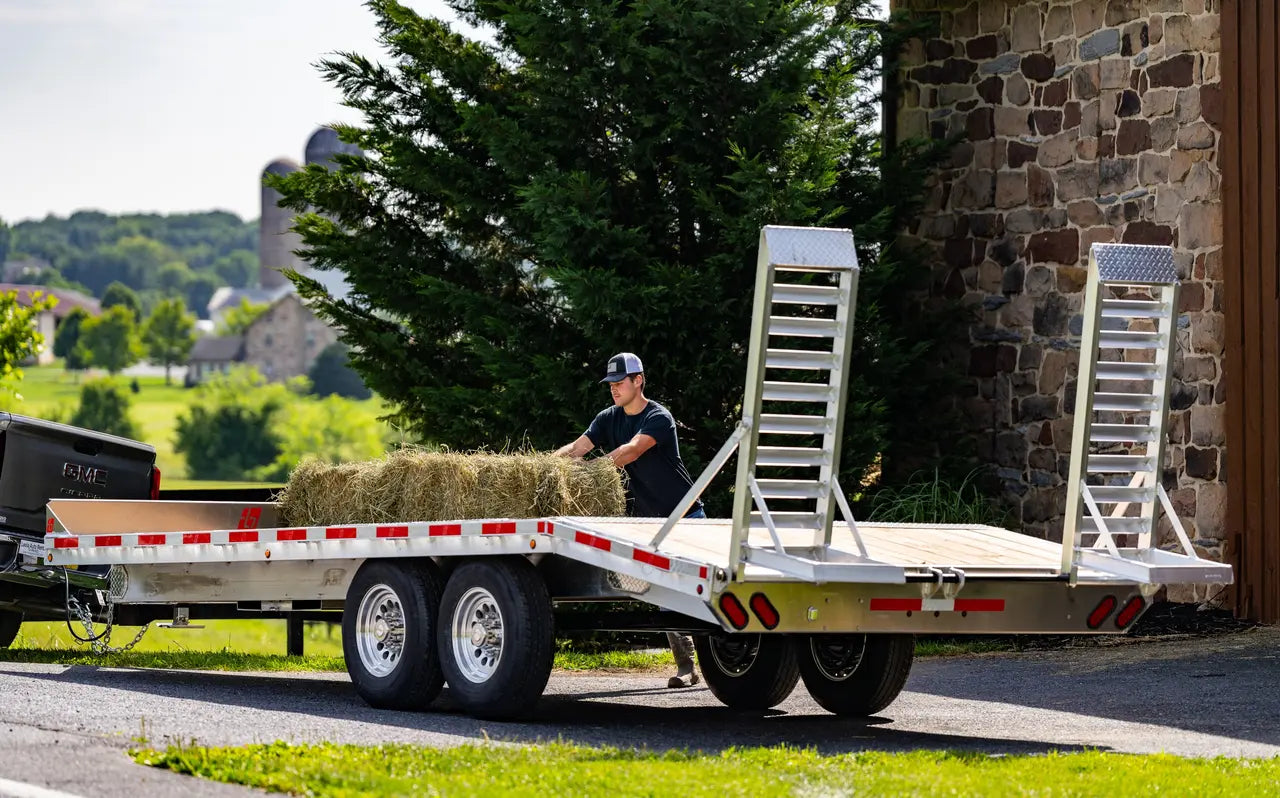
594, 181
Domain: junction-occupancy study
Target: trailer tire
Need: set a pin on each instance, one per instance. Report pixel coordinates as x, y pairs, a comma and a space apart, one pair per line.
10, 623
854, 674
388, 633
496, 637
748, 671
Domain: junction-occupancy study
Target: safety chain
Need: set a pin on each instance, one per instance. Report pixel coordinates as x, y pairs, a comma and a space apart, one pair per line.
101, 643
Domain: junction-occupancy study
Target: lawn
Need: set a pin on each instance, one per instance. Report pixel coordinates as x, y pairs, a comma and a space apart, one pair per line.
558, 769
52, 392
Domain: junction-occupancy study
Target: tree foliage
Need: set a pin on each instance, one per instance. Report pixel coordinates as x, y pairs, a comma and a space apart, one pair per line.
592, 181
104, 406
333, 429
120, 294
331, 374
228, 429
67, 339
169, 334
238, 318
19, 338
5, 238
110, 341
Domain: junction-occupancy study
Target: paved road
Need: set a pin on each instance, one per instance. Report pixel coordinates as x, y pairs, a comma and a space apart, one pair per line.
1192, 697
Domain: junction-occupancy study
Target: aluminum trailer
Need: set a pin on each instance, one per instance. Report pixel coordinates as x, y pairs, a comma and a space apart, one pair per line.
789, 588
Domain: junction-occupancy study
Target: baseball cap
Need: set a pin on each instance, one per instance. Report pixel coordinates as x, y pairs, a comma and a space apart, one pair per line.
620, 365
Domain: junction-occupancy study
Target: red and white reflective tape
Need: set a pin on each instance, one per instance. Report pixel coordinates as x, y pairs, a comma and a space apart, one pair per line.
311, 534
936, 605
621, 548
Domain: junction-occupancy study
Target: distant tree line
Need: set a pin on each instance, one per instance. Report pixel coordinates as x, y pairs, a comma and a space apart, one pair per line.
187, 256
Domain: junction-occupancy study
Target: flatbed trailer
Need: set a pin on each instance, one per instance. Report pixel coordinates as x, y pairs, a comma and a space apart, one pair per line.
790, 588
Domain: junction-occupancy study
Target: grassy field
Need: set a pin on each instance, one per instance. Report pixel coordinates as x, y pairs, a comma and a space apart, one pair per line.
557, 769
53, 392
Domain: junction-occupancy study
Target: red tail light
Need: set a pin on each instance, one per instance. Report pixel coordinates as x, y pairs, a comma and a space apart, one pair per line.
1101, 612
764, 610
1130, 611
155, 483
733, 610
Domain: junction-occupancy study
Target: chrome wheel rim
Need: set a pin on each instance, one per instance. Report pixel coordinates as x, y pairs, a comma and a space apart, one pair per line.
380, 630
837, 657
477, 635
735, 655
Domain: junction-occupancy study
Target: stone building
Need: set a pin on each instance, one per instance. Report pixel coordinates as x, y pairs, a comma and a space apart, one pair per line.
1082, 121
286, 339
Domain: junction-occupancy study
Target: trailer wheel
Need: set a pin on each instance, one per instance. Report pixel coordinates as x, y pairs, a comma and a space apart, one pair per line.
388, 634
748, 671
856, 675
10, 623
496, 637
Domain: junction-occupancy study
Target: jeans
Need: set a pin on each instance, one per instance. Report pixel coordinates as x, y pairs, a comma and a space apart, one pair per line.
698, 513
682, 645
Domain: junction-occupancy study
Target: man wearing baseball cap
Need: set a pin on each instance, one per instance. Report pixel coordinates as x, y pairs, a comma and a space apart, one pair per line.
639, 436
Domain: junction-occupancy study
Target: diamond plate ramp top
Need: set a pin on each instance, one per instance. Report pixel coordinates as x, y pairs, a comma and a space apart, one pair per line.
822, 249
1135, 263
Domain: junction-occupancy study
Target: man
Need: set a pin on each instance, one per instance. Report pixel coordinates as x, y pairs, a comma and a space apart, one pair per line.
640, 437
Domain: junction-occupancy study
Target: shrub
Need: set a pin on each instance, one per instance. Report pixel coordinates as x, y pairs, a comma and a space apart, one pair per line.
333, 430
932, 499
104, 406
229, 430
331, 375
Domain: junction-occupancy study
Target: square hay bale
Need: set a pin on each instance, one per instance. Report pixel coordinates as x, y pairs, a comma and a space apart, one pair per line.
416, 485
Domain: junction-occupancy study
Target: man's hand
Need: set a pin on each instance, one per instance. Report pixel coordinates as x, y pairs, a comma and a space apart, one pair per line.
630, 451
576, 449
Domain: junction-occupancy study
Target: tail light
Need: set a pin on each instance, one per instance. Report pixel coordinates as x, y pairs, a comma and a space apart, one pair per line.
1130, 611
733, 610
155, 483
1101, 612
764, 610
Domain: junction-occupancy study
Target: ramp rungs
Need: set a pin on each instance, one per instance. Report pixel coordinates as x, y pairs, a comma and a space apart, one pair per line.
791, 489
794, 425
1128, 339
1126, 402
791, 294
799, 359
789, 456
1119, 463
797, 392
788, 520
1119, 494
1113, 370
1116, 526
804, 327
1134, 309
1122, 433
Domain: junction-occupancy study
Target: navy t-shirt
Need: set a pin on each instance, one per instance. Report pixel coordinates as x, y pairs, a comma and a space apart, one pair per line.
658, 477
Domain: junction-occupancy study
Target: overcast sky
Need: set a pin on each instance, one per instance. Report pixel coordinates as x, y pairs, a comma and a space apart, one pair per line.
163, 105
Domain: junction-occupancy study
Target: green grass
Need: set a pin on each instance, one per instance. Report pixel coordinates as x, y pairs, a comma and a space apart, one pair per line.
177, 660
558, 769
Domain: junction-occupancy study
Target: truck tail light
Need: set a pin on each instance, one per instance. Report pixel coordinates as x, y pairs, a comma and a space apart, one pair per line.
155, 483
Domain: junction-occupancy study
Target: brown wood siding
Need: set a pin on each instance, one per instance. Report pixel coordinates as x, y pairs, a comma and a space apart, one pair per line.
1251, 275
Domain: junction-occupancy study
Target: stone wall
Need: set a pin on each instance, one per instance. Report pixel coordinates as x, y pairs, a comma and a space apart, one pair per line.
286, 339
1083, 121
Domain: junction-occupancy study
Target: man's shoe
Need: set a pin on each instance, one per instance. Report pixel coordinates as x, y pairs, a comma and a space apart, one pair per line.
687, 676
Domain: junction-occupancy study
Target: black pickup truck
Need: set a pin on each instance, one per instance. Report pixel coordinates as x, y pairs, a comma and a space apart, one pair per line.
39, 461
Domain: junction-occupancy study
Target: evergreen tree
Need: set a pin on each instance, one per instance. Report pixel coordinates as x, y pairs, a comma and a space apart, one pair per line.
595, 181
169, 334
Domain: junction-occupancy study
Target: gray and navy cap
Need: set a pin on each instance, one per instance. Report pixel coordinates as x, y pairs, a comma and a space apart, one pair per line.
620, 365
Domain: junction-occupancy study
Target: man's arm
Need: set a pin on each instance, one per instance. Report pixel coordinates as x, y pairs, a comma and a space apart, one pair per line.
577, 449
630, 451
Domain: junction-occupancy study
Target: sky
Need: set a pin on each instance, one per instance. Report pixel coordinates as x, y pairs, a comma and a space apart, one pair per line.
164, 105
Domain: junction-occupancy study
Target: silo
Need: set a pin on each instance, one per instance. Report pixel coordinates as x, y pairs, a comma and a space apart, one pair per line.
276, 242
324, 144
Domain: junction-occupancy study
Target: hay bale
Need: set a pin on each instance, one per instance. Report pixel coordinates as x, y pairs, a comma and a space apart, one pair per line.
416, 485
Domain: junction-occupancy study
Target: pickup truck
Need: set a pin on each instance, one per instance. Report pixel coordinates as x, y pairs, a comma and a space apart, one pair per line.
39, 461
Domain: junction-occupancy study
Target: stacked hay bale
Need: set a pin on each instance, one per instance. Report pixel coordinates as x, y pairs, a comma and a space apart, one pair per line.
417, 485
